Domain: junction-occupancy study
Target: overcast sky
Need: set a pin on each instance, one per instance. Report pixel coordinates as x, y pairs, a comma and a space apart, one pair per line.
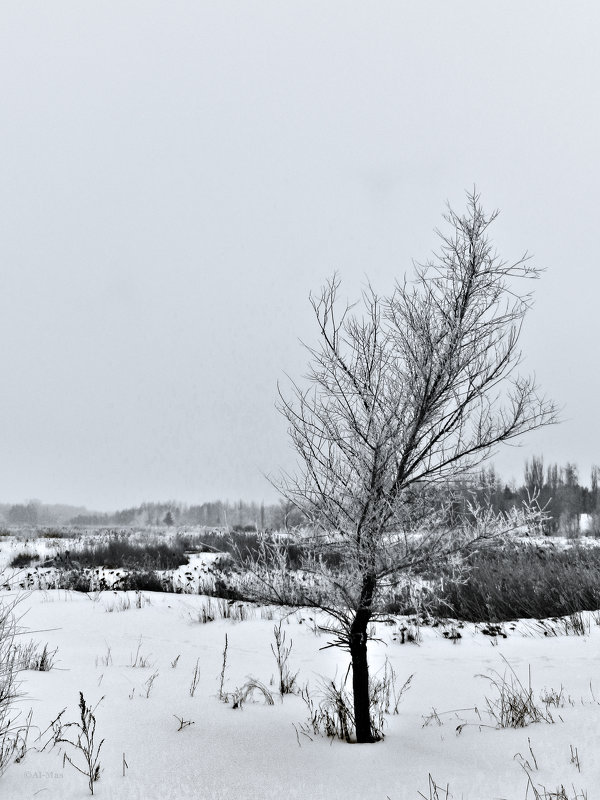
177, 176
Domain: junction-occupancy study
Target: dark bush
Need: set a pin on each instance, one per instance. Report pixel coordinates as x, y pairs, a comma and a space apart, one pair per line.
246, 545
78, 580
143, 581
517, 580
119, 553
55, 533
24, 559
75, 580
225, 589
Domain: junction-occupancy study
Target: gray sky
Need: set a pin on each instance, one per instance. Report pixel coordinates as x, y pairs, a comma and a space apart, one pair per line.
175, 177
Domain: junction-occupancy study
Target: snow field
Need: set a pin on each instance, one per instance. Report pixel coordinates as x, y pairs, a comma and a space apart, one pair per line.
255, 752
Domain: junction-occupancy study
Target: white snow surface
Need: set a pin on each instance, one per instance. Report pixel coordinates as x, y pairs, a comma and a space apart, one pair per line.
258, 752
254, 753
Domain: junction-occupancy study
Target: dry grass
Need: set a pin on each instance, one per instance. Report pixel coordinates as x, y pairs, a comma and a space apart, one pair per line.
516, 581
514, 704
435, 791
13, 733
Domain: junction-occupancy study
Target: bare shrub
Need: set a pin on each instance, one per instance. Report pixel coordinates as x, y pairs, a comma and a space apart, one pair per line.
29, 657
13, 734
514, 705
84, 744
331, 713
281, 650
385, 694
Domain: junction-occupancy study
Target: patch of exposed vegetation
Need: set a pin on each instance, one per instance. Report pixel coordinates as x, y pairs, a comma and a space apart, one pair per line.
119, 552
513, 581
23, 559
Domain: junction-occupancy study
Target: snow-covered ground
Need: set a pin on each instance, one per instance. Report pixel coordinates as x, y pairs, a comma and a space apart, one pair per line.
443, 729
197, 575
255, 752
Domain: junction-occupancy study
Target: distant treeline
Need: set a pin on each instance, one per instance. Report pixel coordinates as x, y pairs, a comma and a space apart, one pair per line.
238, 515
34, 512
572, 507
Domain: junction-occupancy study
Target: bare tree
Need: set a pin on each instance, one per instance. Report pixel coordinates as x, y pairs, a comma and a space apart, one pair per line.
403, 398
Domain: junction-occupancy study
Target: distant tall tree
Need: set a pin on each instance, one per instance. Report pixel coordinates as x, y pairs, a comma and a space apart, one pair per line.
534, 474
594, 486
570, 496
553, 477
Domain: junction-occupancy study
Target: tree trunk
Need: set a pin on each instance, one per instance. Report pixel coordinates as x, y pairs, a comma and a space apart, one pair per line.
360, 665
360, 677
